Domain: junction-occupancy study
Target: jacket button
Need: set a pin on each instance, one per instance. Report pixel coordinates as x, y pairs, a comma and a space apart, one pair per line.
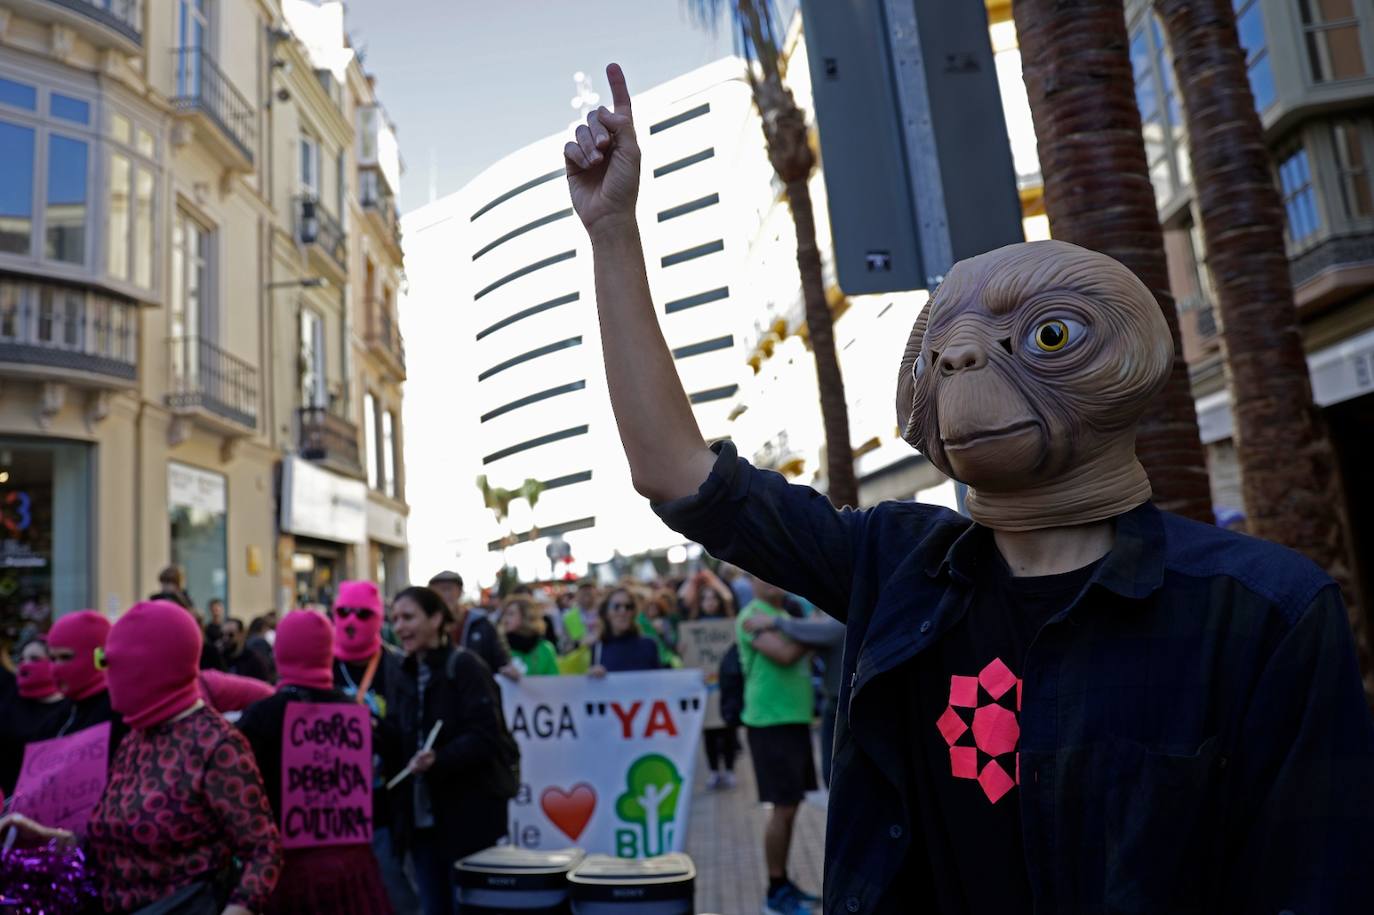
895, 831
852, 904
925, 626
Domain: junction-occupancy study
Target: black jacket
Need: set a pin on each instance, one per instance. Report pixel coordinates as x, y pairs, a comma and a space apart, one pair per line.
392, 690
22, 722
481, 638
262, 722
470, 782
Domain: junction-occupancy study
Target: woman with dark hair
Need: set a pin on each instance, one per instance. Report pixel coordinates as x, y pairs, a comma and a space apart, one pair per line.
36, 712
621, 647
524, 631
705, 597
465, 767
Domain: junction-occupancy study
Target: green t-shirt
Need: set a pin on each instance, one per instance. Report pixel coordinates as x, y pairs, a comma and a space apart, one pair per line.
773, 694
540, 661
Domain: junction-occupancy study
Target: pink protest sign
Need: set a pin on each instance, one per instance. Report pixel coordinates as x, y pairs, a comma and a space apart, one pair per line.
326, 775
62, 779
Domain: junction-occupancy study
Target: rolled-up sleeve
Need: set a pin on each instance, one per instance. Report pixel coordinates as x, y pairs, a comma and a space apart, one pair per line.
788, 535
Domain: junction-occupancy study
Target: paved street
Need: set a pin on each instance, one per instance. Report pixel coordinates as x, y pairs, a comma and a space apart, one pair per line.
725, 840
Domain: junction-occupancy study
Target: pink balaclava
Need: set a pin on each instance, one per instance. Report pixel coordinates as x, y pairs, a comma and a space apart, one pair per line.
357, 639
82, 633
153, 661
305, 650
36, 679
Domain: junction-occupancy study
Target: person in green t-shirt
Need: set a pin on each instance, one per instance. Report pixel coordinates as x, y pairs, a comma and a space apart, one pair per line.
529, 650
578, 618
778, 705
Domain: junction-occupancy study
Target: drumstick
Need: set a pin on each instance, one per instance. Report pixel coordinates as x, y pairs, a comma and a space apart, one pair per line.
429, 744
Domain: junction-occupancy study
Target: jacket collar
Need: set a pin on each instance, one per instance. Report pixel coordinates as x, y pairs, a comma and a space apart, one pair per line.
1133, 569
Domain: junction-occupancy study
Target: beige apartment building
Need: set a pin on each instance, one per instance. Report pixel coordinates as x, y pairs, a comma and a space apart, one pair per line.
179, 379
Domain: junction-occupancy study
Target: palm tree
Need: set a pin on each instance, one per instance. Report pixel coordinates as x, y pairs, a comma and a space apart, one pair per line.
1289, 477
790, 153
1076, 65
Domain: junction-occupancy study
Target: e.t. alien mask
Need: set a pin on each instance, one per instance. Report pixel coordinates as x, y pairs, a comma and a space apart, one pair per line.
1025, 377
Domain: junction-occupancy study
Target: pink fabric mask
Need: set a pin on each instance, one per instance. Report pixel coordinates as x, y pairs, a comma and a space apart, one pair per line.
153, 661
305, 650
355, 638
36, 680
81, 633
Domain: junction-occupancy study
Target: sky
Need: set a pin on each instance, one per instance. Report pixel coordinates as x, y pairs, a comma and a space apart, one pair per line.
467, 82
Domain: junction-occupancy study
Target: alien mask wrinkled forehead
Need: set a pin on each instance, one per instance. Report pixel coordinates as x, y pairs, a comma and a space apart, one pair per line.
1025, 377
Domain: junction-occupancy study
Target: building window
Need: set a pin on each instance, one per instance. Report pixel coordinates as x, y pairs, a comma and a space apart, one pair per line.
1250, 25
370, 440
389, 460
310, 165
1331, 36
191, 309
45, 179
197, 508
16, 188
1352, 161
1299, 199
341, 186
312, 366
46, 538
131, 207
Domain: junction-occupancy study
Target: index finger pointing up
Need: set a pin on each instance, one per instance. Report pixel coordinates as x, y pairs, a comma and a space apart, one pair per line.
620, 94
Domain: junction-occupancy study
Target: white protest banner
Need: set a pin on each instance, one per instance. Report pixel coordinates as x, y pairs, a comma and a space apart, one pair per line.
62, 779
326, 775
701, 644
605, 764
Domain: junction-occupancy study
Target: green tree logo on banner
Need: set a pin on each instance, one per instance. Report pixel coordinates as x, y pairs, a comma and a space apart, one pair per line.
653, 785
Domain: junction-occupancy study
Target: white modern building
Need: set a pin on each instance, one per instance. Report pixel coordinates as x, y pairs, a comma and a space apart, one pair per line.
506, 370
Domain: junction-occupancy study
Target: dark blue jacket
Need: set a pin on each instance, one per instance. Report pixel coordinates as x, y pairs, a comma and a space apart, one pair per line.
626, 652
1194, 736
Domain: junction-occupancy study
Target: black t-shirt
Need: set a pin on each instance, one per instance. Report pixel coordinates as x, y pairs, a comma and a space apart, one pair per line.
964, 702
348, 676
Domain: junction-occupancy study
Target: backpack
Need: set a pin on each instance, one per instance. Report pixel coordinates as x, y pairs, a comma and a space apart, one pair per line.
731, 679
506, 784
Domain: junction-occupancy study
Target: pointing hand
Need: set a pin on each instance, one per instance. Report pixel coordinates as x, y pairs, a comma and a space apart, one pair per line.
602, 162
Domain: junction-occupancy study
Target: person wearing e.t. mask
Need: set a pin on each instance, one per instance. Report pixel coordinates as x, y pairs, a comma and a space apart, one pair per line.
368, 671
1074, 701
76, 644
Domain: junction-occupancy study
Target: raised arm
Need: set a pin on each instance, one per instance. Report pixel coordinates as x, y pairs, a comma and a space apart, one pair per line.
668, 457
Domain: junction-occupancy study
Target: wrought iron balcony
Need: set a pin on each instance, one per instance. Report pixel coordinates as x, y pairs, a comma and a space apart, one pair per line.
1332, 268
65, 333
317, 226
205, 378
384, 338
378, 200
124, 18
329, 439
203, 89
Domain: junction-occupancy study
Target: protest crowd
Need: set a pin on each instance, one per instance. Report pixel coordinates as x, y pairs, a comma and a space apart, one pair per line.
181, 720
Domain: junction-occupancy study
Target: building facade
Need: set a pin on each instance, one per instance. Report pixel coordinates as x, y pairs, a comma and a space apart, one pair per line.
147, 246
504, 264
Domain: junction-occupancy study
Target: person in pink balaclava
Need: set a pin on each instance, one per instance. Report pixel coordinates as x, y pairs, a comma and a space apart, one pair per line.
328, 880
76, 643
36, 713
185, 799
369, 672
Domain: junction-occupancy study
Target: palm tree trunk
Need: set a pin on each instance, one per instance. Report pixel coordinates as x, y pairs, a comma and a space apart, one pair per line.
1077, 69
1289, 477
841, 486
789, 152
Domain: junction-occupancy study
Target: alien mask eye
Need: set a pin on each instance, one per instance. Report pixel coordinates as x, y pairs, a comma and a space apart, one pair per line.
1056, 334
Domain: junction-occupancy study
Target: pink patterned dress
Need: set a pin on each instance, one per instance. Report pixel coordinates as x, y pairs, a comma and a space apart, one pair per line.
183, 800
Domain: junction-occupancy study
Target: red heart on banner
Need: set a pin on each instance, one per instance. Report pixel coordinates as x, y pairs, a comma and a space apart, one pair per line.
571, 810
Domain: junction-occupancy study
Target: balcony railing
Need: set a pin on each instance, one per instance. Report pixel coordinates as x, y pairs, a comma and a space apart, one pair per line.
124, 16
384, 336
46, 328
374, 197
202, 86
317, 226
327, 438
205, 377
1341, 251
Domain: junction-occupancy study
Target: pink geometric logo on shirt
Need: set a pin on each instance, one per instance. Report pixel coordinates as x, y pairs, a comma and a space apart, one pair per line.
981, 731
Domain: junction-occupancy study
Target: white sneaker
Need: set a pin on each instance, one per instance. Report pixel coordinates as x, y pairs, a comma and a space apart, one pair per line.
713, 781
727, 780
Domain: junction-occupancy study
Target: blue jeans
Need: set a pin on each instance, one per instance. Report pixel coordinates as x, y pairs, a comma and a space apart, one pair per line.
399, 889
433, 874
